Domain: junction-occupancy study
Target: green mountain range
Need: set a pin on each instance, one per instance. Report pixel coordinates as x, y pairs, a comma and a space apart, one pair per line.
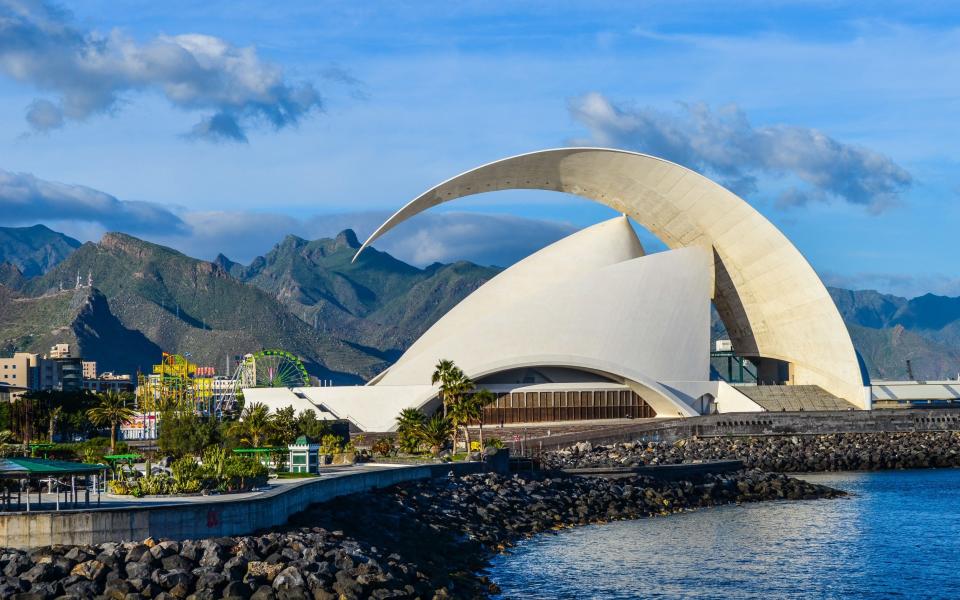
346, 320
33, 250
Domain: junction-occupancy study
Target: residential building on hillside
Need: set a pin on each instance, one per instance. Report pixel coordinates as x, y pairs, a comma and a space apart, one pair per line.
60, 351
89, 369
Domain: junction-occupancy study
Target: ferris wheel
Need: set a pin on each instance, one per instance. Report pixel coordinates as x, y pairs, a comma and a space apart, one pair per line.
272, 368
266, 368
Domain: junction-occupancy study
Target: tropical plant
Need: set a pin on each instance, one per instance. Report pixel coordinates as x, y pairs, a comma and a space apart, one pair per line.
53, 416
331, 444
481, 399
184, 432
310, 426
155, 484
459, 409
384, 446
242, 472
495, 442
285, 426
119, 486
436, 432
214, 461
459, 415
187, 476
409, 423
255, 424
442, 374
410, 419
112, 410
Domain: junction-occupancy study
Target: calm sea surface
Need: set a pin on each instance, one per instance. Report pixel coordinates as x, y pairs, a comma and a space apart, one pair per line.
898, 536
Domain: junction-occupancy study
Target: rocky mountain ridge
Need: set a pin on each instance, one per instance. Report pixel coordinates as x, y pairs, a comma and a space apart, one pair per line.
346, 319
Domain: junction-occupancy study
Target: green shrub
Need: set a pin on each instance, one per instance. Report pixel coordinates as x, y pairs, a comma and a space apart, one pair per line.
409, 441
155, 485
241, 472
494, 442
119, 486
331, 444
185, 432
214, 461
187, 476
384, 446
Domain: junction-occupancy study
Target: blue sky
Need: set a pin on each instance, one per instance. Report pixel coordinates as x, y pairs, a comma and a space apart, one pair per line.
224, 126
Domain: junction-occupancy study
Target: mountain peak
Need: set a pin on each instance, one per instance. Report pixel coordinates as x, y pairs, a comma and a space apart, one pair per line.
35, 249
347, 238
223, 262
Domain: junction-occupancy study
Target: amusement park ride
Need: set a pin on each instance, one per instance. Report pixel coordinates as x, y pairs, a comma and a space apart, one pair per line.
178, 383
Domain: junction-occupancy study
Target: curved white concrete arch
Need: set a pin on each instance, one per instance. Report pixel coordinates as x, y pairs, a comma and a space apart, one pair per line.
769, 297
665, 402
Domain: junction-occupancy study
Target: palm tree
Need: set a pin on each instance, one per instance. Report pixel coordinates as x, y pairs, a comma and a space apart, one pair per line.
459, 417
457, 390
409, 423
443, 374
480, 400
113, 411
55, 413
436, 432
410, 419
255, 424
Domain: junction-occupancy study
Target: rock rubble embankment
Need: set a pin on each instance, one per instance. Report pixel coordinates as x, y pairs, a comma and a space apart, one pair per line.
421, 539
781, 454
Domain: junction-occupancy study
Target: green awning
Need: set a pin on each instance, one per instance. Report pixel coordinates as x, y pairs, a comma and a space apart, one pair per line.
25, 467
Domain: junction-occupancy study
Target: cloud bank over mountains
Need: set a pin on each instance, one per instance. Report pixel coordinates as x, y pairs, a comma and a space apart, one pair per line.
86, 213
89, 73
723, 143
26, 199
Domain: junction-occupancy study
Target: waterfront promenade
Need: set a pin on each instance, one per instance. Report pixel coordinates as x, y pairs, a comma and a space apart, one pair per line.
124, 519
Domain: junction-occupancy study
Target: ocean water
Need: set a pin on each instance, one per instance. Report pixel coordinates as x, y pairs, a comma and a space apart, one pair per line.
896, 536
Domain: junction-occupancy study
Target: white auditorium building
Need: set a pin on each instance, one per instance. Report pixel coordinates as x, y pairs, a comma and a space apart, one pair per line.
592, 327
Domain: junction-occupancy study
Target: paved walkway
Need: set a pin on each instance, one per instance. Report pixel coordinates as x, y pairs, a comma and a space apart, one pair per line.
109, 501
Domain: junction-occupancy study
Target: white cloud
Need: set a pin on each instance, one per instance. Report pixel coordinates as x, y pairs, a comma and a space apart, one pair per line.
86, 213
25, 199
723, 143
89, 73
433, 237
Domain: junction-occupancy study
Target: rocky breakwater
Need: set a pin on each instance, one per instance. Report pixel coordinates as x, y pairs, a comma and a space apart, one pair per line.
786, 454
415, 540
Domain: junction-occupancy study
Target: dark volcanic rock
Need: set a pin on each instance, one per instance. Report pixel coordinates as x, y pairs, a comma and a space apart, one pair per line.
781, 454
416, 540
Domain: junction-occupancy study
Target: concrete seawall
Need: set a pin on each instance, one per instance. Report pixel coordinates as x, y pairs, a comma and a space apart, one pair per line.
753, 424
203, 519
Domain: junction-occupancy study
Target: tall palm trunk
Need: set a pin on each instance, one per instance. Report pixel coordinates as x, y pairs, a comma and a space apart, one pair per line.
113, 437
466, 434
480, 422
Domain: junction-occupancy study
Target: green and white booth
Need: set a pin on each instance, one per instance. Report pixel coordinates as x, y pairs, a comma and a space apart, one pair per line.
304, 455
